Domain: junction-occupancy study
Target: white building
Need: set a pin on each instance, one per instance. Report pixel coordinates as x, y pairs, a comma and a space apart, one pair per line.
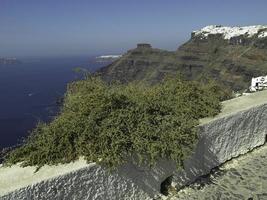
258, 83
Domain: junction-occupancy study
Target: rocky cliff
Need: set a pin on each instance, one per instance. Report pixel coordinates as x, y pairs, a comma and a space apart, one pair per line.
141, 63
229, 55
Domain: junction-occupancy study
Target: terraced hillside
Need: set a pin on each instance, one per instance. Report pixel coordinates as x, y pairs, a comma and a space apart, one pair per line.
141, 63
231, 61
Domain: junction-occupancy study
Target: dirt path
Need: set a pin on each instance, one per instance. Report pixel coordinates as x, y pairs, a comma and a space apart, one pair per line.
242, 178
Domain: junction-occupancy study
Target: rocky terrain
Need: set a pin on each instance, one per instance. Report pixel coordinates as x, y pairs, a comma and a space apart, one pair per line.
229, 55
141, 63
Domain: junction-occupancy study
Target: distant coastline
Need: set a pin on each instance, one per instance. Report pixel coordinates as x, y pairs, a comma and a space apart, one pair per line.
9, 61
107, 58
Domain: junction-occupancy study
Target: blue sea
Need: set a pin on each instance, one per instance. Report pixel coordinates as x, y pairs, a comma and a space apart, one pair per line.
29, 92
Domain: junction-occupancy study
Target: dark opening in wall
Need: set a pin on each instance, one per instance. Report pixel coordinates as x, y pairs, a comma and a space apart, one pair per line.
165, 186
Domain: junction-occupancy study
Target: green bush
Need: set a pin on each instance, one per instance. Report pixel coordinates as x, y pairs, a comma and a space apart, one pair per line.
108, 124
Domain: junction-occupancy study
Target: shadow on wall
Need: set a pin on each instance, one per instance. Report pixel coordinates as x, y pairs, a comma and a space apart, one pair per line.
160, 178
148, 179
199, 164
223, 139
220, 140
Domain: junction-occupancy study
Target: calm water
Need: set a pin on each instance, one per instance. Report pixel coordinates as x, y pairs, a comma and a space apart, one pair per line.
29, 91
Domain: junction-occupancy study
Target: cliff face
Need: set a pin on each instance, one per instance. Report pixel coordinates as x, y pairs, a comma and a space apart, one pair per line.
230, 55
141, 63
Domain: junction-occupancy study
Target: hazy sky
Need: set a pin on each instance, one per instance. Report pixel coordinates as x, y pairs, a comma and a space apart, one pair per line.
86, 27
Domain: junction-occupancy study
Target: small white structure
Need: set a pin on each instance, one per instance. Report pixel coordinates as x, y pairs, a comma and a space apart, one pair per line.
258, 83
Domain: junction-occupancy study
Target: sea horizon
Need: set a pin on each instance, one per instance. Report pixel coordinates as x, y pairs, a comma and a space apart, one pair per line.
30, 91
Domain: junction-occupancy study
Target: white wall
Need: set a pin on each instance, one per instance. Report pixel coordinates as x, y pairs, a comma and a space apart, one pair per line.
220, 140
224, 139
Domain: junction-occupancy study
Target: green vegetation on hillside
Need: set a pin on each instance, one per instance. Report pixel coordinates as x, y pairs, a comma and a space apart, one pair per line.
108, 123
230, 65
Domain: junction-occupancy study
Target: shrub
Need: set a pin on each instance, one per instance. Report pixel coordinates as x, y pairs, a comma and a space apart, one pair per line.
108, 124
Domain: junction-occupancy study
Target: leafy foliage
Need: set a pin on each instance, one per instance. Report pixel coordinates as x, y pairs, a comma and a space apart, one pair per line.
108, 124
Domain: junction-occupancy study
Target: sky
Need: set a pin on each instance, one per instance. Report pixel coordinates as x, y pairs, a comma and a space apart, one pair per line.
93, 27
